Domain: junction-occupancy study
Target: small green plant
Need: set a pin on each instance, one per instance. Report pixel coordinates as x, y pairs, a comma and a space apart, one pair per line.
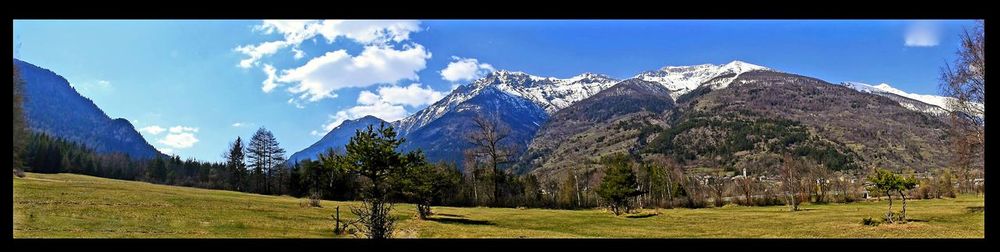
869, 221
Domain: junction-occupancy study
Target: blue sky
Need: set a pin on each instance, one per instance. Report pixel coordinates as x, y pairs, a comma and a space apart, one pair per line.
194, 86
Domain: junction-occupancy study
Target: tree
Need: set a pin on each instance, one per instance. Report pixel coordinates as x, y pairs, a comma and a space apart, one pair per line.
488, 137
619, 185
887, 182
791, 169
425, 184
235, 165
20, 125
965, 82
265, 157
372, 154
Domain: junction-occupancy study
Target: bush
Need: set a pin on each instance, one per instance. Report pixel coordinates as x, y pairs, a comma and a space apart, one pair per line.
314, 200
869, 221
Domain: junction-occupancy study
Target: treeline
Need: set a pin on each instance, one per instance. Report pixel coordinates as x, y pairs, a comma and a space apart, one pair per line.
259, 167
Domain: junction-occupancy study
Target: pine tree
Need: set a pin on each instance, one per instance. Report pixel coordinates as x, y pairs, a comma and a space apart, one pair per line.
236, 166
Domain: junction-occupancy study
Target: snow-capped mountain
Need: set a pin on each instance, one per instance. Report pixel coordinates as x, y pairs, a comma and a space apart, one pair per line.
549, 93
936, 105
683, 79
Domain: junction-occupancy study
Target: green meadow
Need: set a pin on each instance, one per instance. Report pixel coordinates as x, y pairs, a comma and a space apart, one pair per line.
69, 205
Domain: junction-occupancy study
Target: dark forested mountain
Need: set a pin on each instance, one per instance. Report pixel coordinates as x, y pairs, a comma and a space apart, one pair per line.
55, 108
336, 139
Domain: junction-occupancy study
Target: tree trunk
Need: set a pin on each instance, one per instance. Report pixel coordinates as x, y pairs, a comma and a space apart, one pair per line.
902, 215
889, 214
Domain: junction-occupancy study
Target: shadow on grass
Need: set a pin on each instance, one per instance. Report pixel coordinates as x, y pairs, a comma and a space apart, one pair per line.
450, 215
916, 220
462, 221
641, 215
975, 209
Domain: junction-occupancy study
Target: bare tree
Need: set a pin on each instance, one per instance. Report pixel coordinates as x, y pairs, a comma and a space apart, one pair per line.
488, 137
791, 180
965, 81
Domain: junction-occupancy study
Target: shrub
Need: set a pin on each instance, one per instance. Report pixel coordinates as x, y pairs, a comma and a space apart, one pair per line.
869, 221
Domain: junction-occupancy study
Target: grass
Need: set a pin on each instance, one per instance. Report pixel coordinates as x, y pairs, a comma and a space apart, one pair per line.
69, 205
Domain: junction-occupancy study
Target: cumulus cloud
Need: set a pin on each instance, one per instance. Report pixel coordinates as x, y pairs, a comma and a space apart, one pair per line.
922, 34
465, 69
387, 103
269, 83
179, 137
413, 95
153, 129
380, 62
335, 70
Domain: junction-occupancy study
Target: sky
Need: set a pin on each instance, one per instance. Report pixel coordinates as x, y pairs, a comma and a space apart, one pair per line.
192, 86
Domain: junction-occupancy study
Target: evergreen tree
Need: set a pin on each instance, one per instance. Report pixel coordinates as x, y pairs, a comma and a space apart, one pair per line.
619, 186
236, 166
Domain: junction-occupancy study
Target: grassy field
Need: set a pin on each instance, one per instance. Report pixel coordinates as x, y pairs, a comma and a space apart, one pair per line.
67, 205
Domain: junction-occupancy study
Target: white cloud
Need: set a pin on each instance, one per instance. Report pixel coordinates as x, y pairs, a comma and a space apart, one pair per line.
256, 52
412, 95
387, 104
368, 32
299, 54
167, 151
182, 129
179, 137
922, 34
153, 129
179, 140
380, 62
319, 77
465, 69
269, 83
239, 124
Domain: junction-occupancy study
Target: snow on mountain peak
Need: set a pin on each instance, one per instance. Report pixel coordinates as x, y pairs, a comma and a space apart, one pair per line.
940, 102
549, 93
683, 79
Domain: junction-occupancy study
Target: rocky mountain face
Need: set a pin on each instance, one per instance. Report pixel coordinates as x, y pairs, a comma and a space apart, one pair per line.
55, 108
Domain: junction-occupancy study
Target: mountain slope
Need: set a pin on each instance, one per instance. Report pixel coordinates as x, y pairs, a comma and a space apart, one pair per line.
837, 120
445, 138
616, 119
337, 138
550, 94
683, 79
53, 107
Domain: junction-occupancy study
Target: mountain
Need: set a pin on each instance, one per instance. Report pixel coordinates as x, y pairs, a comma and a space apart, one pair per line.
609, 121
764, 114
55, 108
932, 104
548, 93
726, 117
683, 79
337, 138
